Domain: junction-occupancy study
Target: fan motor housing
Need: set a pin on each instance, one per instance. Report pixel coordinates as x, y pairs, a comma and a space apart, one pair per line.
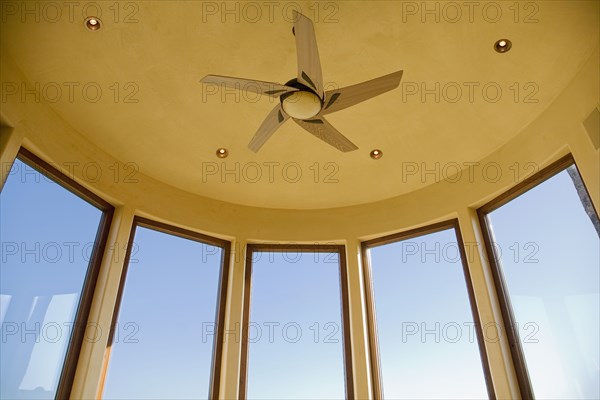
302, 104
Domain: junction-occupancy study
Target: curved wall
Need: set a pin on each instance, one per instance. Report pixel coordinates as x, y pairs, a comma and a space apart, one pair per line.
558, 131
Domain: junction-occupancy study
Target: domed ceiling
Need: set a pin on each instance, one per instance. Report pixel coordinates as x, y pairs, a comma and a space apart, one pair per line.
459, 100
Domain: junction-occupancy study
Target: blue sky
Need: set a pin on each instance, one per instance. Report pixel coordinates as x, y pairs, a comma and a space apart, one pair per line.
424, 320
554, 285
163, 348
167, 312
47, 233
303, 358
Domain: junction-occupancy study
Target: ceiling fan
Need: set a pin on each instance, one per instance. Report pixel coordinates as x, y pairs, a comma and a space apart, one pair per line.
303, 98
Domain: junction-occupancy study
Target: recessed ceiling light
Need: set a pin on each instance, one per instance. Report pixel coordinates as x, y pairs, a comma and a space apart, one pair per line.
92, 23
222, 152
502, 45
376, 154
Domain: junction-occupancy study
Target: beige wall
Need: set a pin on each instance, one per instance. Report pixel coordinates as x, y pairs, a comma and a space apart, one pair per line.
556, 132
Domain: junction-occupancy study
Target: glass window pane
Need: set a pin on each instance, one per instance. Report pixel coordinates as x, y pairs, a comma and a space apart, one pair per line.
427, 342
295, 337
163, 338
549, 252
48, 235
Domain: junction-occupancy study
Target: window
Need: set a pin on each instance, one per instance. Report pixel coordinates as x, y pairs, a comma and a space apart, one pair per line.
295, 336
542, 238
427, 341
53, 234
166, 337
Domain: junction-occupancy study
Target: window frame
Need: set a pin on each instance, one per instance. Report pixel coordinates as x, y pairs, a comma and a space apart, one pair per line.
217, 353
252, 248
71, 358
508, 317
373, 342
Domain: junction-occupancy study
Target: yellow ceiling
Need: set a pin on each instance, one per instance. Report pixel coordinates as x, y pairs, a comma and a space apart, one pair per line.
158, 54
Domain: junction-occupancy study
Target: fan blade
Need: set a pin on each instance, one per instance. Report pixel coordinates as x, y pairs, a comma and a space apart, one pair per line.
336, 100
268, 88
274, 120
309, 65
326, 132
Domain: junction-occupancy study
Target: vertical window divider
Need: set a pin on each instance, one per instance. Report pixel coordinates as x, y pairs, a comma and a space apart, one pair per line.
250, 248
474, 310
506, 311
115, 314
375, 365
217, 362
345, 302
